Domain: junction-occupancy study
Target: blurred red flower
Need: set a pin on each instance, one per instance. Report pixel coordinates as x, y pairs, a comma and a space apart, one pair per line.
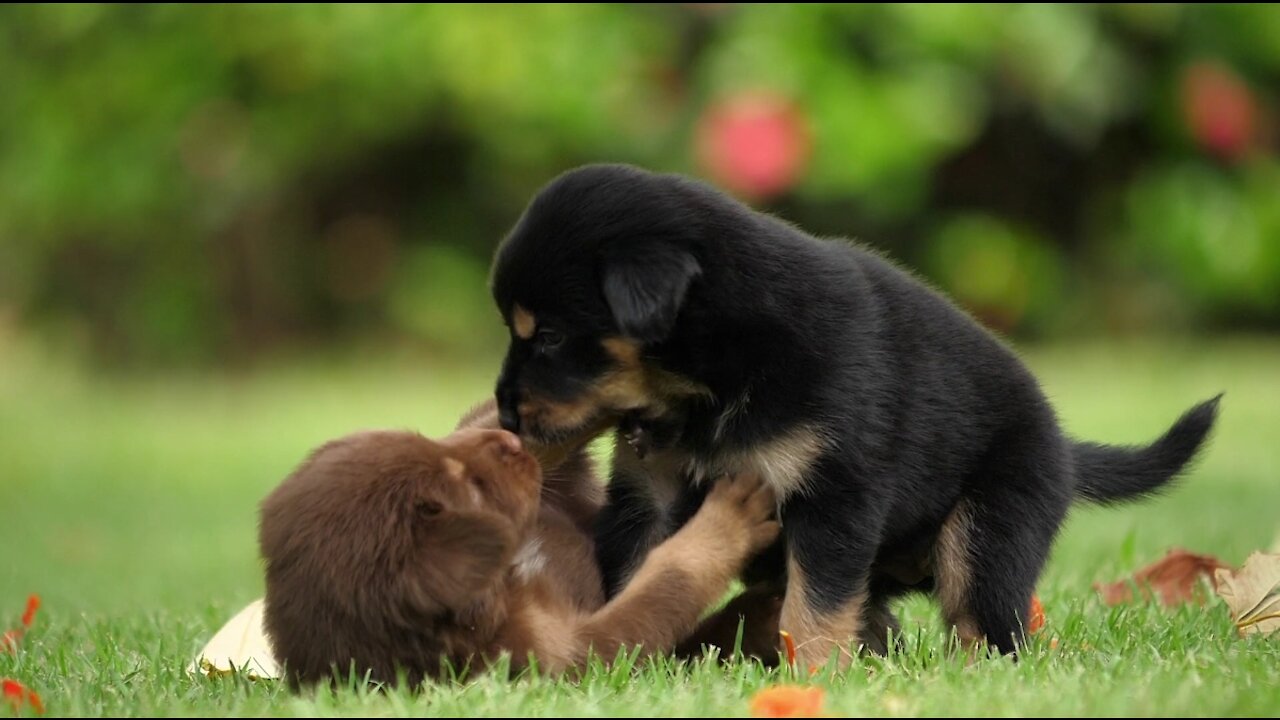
754, 143
16, 694
1220, 109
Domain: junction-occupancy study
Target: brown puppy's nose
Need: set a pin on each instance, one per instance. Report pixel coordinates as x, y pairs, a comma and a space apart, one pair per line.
505, 443
510, 442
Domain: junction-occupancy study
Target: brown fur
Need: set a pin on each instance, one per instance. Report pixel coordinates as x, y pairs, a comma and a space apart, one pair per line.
388, 552
819, 633
952, 571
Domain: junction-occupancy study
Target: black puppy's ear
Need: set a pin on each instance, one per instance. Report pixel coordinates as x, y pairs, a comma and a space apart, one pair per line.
645, 286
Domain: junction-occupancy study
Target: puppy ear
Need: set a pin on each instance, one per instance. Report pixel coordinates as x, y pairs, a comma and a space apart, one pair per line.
645, 286
457, 555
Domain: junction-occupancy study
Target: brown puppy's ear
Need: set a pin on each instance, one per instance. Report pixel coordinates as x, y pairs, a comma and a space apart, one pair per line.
645, 285
458, 555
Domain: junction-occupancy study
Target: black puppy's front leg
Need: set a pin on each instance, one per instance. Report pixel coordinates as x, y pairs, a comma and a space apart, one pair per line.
628, 527
831, 539
648, 499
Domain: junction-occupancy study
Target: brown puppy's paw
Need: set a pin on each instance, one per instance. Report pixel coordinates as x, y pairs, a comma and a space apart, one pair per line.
743, 506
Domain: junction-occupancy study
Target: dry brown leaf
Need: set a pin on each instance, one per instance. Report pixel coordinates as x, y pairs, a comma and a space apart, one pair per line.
1252, 593
1175, 578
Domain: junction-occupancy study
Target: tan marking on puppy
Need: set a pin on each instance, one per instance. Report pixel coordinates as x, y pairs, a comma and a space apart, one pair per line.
816, 633
523, 322
659, 385
952, 572
625, 352
630, 385
783, 462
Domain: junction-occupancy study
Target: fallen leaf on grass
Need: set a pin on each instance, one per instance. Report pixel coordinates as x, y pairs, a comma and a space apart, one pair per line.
9, 640
1174, 579
17, 694
1252, 593
787, 701
1036, 622
241, 645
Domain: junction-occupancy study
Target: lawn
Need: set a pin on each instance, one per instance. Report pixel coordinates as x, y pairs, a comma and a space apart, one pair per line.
129, 507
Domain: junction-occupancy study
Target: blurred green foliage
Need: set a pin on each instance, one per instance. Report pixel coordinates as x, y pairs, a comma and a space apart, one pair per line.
202, 182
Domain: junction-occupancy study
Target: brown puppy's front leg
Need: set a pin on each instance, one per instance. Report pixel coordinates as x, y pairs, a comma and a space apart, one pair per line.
684, 575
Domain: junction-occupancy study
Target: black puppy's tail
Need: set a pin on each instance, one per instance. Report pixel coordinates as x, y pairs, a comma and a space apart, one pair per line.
1109, 473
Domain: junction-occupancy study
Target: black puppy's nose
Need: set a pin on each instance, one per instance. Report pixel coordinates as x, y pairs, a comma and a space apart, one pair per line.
509, 418
508, 402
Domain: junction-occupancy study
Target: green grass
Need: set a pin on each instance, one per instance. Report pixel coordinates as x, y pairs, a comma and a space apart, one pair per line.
129, 506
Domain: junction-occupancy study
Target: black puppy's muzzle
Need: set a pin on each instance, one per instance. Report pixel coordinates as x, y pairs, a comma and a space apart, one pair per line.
508, 409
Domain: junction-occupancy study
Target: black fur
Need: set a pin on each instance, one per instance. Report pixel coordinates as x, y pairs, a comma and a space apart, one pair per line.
924, 408
1107, 474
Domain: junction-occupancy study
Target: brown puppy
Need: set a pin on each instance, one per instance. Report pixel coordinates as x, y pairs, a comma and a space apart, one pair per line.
388, 553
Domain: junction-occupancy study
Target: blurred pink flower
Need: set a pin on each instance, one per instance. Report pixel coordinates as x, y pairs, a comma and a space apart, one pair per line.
754, 143
1219, 109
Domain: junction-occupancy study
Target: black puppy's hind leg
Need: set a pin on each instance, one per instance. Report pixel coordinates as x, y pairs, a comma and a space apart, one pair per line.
994, 544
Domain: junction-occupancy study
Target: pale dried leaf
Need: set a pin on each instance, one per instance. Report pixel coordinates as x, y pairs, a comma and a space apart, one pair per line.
241, 645
1252, 593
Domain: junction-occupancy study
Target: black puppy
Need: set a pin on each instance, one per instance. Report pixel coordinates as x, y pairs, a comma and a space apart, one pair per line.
909, 447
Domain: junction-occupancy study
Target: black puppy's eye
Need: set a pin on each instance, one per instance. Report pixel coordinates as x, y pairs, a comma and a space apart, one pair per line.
549, 339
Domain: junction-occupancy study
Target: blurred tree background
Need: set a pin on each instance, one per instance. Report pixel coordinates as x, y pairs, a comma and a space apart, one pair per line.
200, 184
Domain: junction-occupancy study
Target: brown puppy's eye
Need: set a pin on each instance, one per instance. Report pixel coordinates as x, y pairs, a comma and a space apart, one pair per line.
549, 339
429, 508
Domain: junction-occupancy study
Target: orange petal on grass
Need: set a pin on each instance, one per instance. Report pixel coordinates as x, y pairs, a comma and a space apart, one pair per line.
787, 701
790, 644
15, 693
1036, 622
9, 640
33, 604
